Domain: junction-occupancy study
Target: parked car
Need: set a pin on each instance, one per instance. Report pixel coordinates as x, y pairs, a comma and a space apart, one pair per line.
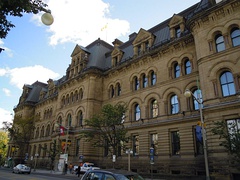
111, 174
21, 168
88, 166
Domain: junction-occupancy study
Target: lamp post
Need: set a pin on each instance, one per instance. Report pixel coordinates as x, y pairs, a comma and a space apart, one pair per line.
188, 94
129, 152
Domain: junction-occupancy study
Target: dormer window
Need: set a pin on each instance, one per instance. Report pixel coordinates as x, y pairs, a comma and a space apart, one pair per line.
177, 32
115, 61
176, 26
139, 50
146, 46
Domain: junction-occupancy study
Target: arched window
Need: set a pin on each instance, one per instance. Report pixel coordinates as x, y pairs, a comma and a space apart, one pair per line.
48, 130
144, 81
176, 70
188, 68
37, 133
219, 40
154, 108
174, 104
137, 112
235, 36
111, 91
81, 94
60, 120
227, 84
136, 83
118, 89
80, 118
42, 132
198, 94
153, 78
69, 120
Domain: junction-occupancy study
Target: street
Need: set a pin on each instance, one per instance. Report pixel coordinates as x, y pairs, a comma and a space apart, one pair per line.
6, 174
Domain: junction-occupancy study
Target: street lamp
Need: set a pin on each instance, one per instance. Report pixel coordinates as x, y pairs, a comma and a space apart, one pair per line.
188, 94
129, 152
47, 18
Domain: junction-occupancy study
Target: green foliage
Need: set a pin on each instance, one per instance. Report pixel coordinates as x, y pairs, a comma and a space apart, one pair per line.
3, 146
17, 8
230, 135
107, 128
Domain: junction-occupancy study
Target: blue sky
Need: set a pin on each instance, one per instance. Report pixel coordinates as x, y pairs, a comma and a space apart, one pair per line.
34, 51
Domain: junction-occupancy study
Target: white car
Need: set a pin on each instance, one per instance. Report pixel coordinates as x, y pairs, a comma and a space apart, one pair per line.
88, 166
21, 168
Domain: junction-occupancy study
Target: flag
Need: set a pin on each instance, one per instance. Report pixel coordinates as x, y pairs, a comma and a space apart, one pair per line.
104, 27
61, 130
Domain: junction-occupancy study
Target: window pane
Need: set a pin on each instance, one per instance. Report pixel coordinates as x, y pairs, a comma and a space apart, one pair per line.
175, 143
137, 112
220, 46
235, 35
154, 108
174, 104
227, 84
153, 78
188, 68
176, 70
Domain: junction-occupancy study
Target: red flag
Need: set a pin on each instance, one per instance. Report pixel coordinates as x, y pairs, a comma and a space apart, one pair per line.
61, 130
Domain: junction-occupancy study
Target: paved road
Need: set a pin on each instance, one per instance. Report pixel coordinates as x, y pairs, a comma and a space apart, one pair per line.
6, 174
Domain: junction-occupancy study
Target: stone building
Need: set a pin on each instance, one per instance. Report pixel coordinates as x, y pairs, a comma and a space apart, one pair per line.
197, 49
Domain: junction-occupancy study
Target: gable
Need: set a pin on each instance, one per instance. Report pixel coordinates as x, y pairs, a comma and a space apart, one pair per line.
142, 36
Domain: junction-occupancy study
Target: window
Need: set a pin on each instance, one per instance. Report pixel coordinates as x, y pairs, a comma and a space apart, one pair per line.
198, 139
135, 145
77, 147
198, 94
154, 142
111, 91
94, 176
118, 89
144, 81
227, 84
80, 118
154, 108
175, 142
69, 120
174, 104
139, 50
137, 112
176, 70
219, 40
177, 32
115, 61
188, 68
235, 36
136, 83
146, 46
153, 78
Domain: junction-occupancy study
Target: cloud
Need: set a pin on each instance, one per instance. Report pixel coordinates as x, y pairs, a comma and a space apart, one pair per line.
6, 91
28, 75
81, 21
6, 50
6, 116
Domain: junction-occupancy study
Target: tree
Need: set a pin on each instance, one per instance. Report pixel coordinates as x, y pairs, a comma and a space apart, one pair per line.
17, 8
106, 129
20, 132
3, 146
229, 132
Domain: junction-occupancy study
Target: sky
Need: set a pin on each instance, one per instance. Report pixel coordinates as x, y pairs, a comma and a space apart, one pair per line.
36, 52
